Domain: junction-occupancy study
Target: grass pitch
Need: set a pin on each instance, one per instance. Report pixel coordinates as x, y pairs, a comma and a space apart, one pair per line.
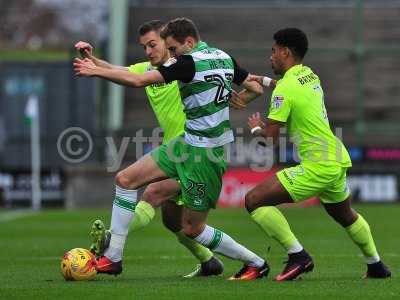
31, 247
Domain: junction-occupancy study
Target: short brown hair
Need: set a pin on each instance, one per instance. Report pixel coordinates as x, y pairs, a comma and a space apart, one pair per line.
179, 29
153, 25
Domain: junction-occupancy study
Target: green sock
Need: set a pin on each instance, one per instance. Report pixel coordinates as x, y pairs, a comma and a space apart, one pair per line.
144, 213
361, 235
202, 253
273, 222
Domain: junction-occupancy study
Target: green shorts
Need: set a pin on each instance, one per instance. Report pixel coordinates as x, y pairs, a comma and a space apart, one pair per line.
307, 180
198, 169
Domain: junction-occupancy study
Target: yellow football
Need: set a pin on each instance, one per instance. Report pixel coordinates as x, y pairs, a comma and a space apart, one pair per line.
78, 264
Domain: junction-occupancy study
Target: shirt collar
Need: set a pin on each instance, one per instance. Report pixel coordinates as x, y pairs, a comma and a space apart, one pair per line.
200, 46
293, 69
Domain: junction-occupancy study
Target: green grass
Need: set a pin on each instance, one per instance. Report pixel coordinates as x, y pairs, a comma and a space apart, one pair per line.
31, 248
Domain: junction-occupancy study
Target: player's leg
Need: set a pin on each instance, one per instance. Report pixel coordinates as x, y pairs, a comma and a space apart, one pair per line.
172, 219
153, 196
142, 172
201, 180
260, 203
195, 227
159, 194
151, 168
355, 225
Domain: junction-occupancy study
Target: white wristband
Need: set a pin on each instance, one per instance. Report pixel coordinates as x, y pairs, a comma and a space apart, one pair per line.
253, 130
266, 81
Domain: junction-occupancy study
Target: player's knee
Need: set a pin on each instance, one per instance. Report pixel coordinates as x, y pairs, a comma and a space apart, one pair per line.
152, 194
191, 230
250, 201
123, 181
346, 219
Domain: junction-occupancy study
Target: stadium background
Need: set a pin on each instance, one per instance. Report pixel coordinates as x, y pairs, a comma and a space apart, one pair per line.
354, 48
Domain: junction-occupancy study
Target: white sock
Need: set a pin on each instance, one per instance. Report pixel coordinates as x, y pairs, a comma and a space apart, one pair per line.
295, 248
372, 259
222, 243
122, 215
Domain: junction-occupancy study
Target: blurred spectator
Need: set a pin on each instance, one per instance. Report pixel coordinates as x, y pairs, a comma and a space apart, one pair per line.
36, 24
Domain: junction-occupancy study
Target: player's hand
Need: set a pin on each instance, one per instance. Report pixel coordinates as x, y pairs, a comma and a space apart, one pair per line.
84, 67
259, 79
255, 121
256, 78
84, 48
236, 101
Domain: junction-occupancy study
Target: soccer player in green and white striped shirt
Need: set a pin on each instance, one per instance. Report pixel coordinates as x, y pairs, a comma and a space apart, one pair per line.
196, 159
166, 103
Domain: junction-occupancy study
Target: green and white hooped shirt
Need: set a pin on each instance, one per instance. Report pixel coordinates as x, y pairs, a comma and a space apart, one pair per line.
205, 77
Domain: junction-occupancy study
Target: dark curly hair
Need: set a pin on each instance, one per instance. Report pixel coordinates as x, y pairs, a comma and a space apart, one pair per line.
294, 39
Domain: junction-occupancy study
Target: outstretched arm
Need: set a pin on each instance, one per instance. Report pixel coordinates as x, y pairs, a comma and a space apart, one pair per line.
86, 50
87, 68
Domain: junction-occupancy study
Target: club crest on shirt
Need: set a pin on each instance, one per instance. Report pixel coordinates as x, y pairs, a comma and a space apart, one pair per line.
169, 62
277, 101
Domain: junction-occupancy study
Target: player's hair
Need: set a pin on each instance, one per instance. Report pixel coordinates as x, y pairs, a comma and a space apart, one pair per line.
294, 39
153, 25
179, 29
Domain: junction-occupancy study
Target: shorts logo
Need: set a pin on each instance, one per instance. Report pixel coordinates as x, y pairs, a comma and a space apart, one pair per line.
277, 102
198, 202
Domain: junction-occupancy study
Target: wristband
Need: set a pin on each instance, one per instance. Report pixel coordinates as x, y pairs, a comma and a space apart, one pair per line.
253, 130
266, 81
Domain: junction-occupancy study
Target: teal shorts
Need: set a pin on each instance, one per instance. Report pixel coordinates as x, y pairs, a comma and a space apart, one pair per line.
198, 169
307, 180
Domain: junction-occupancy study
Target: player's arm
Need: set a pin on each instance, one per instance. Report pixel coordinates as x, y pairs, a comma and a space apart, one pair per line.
279, 112
86, 51
87, 68
263, 80
269, 129
181, 69
241, 99
252, 89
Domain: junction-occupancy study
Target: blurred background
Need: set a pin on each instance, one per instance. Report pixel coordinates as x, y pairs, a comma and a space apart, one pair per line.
354, 48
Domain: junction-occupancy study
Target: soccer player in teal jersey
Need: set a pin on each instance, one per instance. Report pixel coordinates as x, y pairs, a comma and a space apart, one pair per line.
196, 159
167, 105
297, 103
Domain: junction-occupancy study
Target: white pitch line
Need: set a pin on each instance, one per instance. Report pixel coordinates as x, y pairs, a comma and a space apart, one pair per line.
13, 215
